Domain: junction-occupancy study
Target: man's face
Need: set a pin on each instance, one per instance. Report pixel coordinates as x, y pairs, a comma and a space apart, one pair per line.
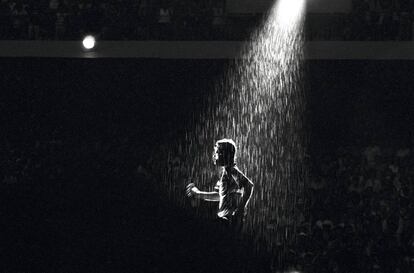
218, 157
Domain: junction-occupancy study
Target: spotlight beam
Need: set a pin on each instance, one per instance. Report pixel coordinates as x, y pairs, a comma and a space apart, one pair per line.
259, 103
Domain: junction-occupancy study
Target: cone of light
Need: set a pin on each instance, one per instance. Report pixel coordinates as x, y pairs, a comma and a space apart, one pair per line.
259, 103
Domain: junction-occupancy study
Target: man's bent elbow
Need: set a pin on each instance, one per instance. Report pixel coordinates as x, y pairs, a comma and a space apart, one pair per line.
250, 186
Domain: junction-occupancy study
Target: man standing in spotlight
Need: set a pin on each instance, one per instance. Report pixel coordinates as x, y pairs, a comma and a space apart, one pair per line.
233, 191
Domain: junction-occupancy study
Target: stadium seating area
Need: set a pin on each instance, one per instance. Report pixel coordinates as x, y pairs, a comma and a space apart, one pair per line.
361, 214
360, 220
189, 20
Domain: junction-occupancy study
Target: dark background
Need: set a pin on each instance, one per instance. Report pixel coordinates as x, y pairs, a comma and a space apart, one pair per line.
73, 133
360, 103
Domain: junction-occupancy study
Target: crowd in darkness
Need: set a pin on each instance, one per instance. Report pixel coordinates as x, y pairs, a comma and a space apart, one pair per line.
383, 20
361, 213
189, 20
369, 20
78, 174
112, 19
361, 200
360, 218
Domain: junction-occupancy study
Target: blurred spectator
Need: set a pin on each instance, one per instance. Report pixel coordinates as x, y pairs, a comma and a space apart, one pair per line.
60, 25
19, 17
164, 21
218, 21
181, 19
34, 23
73, 23
371, 153
53, 5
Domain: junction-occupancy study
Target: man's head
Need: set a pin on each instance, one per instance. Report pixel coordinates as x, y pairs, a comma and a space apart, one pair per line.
224, 152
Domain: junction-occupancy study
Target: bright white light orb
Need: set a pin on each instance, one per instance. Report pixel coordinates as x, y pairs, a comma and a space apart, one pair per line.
88, 42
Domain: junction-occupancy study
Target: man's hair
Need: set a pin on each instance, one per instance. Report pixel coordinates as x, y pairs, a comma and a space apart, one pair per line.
228, 147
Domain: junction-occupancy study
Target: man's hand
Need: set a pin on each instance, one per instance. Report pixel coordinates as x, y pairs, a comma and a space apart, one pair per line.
191, 190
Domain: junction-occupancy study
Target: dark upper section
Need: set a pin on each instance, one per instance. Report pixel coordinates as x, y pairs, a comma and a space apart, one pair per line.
189, 20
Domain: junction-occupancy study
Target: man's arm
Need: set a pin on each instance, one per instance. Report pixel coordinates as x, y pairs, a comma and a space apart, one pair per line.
193, 191
247, 191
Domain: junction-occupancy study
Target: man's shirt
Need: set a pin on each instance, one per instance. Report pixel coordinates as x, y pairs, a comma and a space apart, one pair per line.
229, 188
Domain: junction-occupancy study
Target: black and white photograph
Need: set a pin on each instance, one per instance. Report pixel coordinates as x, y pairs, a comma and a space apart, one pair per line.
207, 136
